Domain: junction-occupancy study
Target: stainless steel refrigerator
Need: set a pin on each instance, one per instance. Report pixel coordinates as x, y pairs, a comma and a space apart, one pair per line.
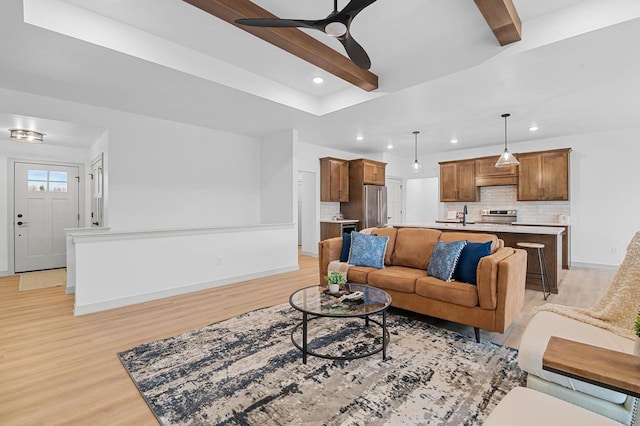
367, 204
375, 206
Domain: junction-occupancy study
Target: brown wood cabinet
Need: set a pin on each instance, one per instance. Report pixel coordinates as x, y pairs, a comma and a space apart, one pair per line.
334, 179
373, 172
336, 229
457, 181
487, 174
544, 176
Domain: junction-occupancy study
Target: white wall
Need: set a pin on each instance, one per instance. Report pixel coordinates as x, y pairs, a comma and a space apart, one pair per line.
115, 270
170, 175
278, 186
603, 196
422, 200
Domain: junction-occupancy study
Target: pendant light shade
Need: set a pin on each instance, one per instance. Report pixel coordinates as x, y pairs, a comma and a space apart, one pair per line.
416, 167
506, 159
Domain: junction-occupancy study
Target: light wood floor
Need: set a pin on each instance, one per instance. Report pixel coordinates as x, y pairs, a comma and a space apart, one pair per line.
57, 369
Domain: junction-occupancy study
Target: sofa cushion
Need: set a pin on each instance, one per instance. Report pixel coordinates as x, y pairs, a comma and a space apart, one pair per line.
452, 292
467, 268
545, 324
398, 278
346, 247
444, 259
367, 250
358, 274
472, 237
414, 247
391, 245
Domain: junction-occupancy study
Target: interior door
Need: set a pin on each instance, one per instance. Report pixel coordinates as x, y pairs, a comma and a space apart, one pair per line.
46, 202
394, 201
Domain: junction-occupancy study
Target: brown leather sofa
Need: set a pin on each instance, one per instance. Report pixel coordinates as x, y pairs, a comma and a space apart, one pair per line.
491, 305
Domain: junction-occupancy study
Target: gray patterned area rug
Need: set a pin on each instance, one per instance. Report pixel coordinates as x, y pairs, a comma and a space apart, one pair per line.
246, 371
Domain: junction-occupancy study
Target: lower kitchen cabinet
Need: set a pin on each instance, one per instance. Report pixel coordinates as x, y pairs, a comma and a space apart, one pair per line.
333, 228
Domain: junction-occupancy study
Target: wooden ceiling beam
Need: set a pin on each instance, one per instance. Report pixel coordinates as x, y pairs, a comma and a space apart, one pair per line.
503, 19
292, 40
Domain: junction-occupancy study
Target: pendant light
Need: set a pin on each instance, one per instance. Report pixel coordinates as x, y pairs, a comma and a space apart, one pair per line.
415, 166
506, 159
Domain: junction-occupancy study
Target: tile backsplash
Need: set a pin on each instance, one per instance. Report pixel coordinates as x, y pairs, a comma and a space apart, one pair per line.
328, 210
505, 197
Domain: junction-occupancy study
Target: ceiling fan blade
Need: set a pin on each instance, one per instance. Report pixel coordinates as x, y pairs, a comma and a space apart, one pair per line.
355, 51
278, 23
355, 6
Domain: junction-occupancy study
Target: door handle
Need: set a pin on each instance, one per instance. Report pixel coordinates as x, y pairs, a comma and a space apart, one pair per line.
22, 223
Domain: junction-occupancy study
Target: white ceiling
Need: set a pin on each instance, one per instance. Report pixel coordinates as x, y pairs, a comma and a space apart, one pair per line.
441, 71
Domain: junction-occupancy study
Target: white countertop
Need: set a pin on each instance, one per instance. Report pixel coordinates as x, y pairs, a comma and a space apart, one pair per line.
340, 221
541, 223
512, 229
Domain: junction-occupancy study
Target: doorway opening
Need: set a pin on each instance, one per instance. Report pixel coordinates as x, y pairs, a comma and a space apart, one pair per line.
308, 225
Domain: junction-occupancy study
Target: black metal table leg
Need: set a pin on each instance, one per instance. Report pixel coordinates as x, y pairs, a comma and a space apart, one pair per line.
384, 335
304, 337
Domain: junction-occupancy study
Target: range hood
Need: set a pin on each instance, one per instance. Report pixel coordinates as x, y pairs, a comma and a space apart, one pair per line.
487, 174
496, 180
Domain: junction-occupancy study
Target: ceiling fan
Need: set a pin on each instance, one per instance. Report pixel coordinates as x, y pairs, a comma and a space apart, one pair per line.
335, 25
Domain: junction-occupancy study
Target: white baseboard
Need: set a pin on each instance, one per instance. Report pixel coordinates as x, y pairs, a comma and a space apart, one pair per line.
308, 253
594, 265
118, 303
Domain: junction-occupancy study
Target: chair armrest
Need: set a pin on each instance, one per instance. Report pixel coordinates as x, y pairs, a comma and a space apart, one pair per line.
328, 250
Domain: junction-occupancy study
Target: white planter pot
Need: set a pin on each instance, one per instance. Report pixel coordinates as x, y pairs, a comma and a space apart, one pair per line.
334, 288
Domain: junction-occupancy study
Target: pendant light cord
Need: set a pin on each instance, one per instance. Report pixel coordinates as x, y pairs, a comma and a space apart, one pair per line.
416, 145
505, 130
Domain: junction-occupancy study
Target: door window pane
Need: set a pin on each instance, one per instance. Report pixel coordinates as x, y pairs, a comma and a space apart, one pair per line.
57, 176
36, 186
37, 175
57, 186
44, 180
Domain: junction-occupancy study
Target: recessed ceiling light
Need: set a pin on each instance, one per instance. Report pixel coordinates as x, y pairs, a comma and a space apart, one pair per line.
533, 128
454, 140
318, 80
390, 145
359, 138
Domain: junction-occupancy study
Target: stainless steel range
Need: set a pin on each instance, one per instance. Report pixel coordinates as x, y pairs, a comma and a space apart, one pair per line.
498, 217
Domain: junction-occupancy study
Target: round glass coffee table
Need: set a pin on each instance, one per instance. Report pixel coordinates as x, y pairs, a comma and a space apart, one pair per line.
316, 302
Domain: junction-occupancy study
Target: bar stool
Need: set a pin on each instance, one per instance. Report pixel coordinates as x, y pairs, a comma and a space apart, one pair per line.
543, 265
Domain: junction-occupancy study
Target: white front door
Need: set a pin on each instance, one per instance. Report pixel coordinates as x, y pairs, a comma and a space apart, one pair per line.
394, 201
46, 202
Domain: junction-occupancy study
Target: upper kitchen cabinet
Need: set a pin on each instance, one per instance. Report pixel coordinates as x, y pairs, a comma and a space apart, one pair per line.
544, 176
457, 181
372, 172
487, 174
334, 179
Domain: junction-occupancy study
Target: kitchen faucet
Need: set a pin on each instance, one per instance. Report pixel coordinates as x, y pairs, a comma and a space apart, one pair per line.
464, 215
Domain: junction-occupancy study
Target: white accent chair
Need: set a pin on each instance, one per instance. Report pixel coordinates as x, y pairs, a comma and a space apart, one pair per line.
543, 325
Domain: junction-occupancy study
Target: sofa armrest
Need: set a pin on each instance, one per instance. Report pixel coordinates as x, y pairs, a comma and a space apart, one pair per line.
512, 277
487, 277
328, 250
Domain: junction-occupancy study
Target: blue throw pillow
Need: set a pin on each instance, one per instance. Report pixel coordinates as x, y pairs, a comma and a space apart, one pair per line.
467, 269
346, 246
444, 259
367, 250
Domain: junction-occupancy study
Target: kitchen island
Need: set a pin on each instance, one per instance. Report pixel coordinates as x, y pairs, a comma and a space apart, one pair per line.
550, 236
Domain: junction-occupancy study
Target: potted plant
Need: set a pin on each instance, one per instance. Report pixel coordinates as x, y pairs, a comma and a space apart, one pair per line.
335, 279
